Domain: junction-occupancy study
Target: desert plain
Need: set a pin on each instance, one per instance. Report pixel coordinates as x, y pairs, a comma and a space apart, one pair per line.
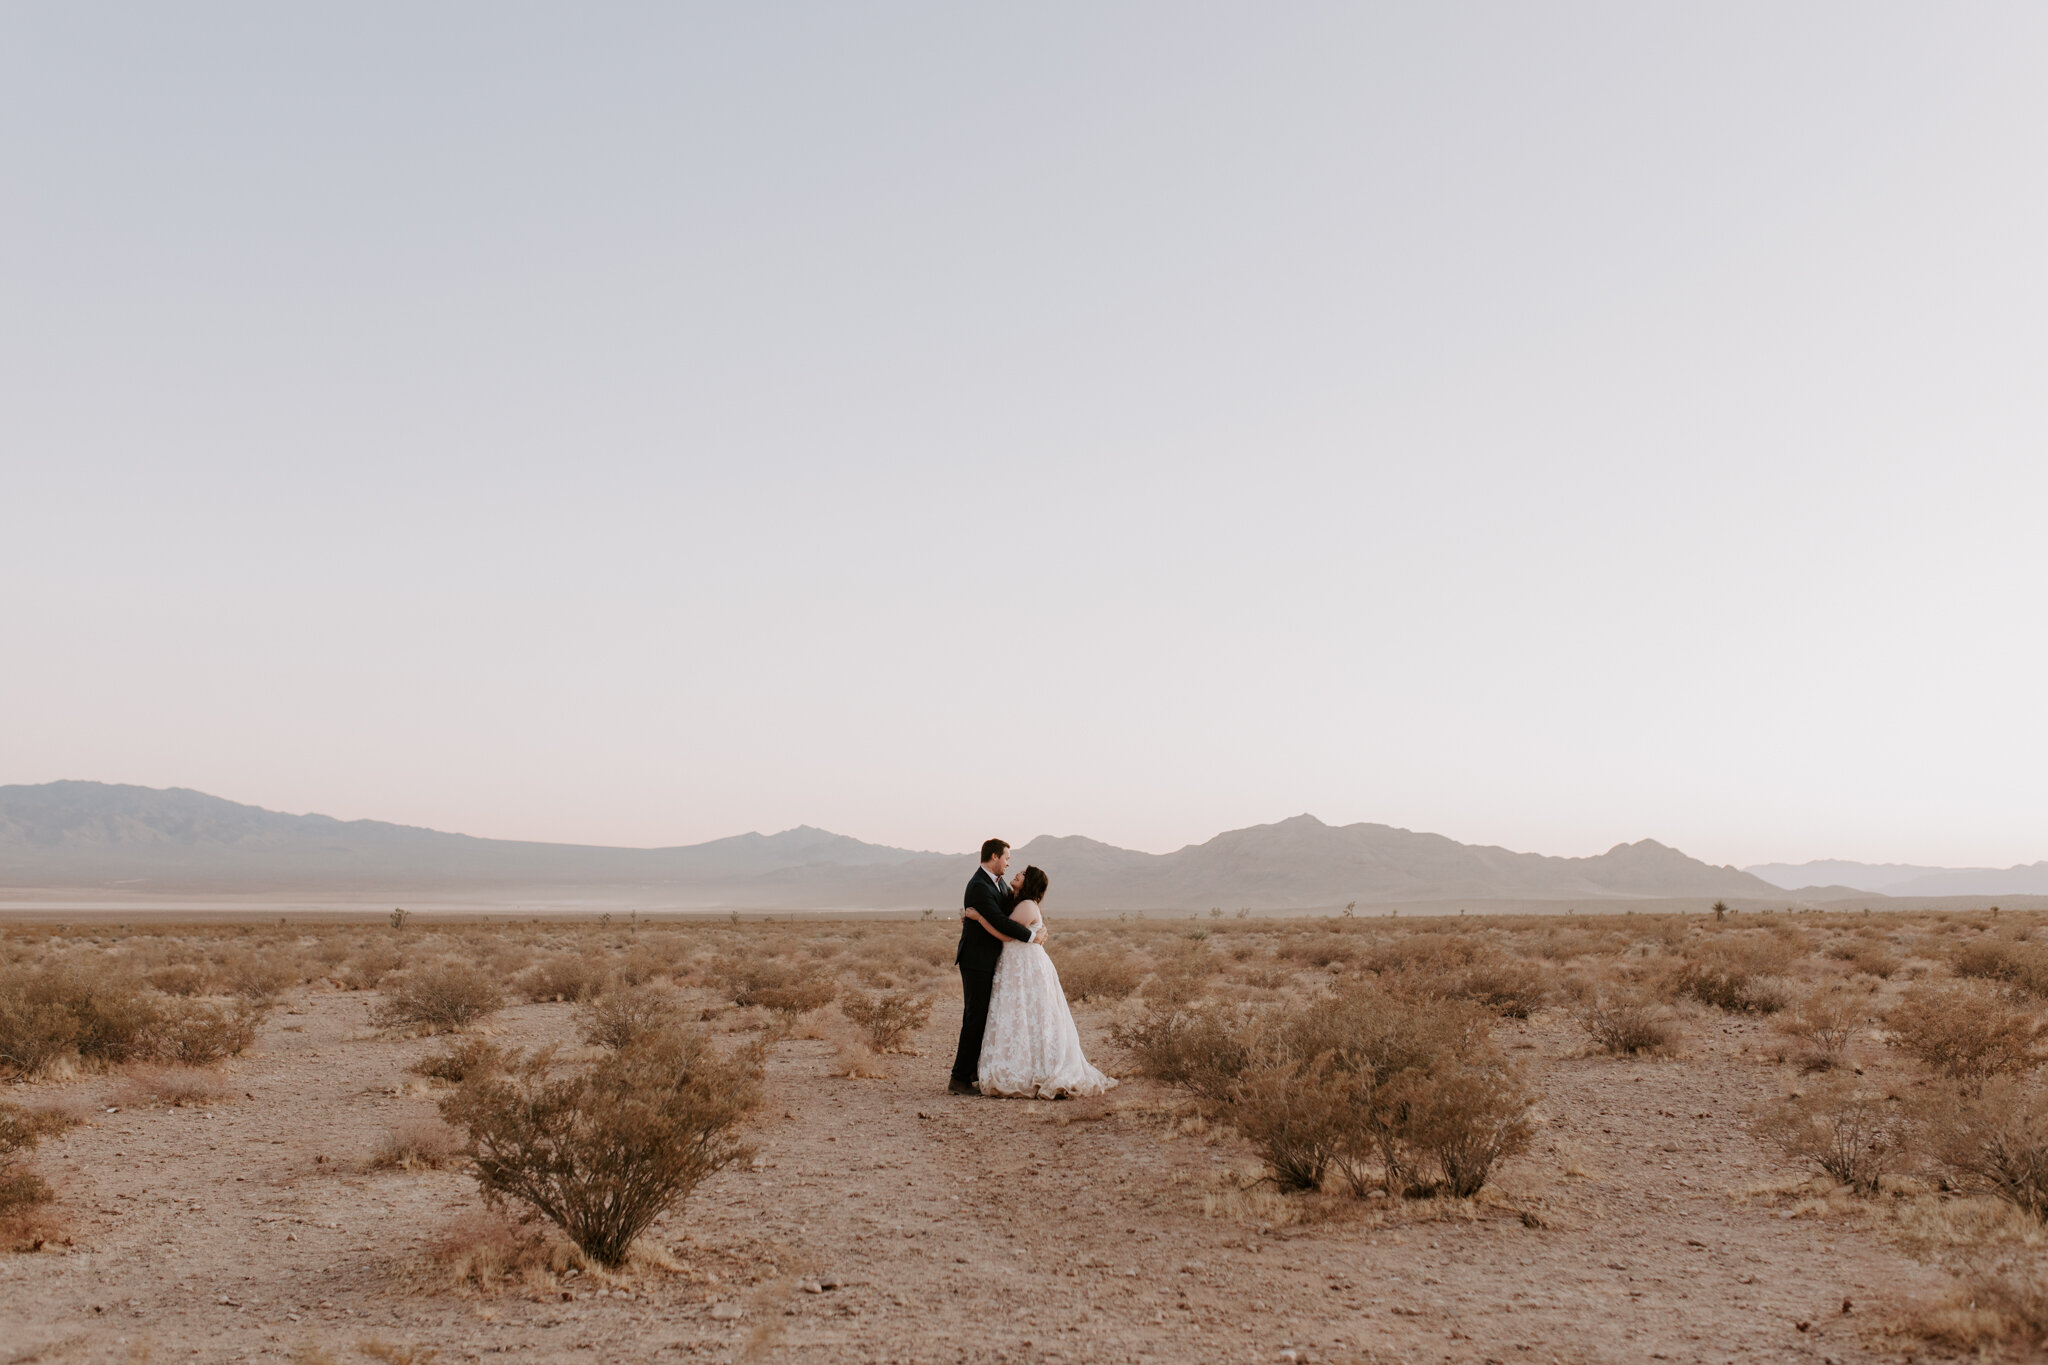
1713, 1138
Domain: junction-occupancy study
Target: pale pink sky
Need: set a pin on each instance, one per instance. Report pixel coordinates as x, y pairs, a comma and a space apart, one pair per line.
1545, 425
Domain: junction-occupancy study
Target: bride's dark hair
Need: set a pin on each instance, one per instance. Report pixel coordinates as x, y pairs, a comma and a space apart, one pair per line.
1034, 886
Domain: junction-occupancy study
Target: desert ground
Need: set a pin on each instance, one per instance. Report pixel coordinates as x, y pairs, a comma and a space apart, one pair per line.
259, 1167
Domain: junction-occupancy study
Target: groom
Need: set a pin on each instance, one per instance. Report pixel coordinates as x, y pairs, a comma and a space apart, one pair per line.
977, 955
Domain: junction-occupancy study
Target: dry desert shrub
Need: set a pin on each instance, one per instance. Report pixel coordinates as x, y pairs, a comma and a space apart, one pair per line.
1867, 955
616, 1017
1853, 1134
197, 1033
772, 984
1826, 1021
2019, 964
561, 976
439, 997
21, 1189
1365, 1078
1098, 974
418, 1145
259, 976
366, 970
461, 1060
796, 998
1627, 1025
604, 1151
1740, 975
181, 978
109, 1017
1322, 951
1965, 1030
1180, 974
889, 1020
1993, 1142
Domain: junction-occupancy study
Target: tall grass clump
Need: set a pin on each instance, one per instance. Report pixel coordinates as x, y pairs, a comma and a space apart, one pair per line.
604, 1151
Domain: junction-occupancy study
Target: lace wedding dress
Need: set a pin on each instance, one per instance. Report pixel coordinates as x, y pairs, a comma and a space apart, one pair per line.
1031, 1048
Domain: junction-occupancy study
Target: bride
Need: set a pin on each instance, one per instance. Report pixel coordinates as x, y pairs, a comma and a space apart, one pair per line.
1031, 1048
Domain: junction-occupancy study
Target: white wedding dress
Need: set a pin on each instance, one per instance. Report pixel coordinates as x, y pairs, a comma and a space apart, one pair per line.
1031, 1048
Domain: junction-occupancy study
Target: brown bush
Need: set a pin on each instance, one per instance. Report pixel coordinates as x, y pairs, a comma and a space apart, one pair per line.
561, 976
1463, 1117
1098, 975
105, 1015
181, 978
604, 1152
798, 997
1180, 974
368, 968
1867, 956
36, 1023
1509, 987
1625, 1025
1853, 1134
1739, 975
460, 1061
1826, 1021
1367, 1076
1323, 951
616, 1017
1299, 1117
197, 1033
439, 997
889, 1020
2021, 965
1994, 1142
1965, 1031
21, 1189
1203, 1051
418, 1145
259, 976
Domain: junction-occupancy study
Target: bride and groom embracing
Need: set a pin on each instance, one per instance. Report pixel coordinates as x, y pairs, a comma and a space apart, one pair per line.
1017, 1036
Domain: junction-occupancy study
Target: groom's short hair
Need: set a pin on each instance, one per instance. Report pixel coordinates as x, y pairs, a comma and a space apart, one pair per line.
993, 848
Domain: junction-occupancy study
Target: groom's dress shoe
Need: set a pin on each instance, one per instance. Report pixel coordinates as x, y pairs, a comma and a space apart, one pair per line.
959, 1087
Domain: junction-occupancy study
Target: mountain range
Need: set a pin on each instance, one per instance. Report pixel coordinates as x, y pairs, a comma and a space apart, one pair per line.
1906, 880
143, 841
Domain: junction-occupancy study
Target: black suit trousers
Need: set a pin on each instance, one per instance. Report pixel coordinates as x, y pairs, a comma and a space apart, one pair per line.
975, 985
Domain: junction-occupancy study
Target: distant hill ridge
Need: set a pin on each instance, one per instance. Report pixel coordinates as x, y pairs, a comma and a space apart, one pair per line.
1908, 879
150, 840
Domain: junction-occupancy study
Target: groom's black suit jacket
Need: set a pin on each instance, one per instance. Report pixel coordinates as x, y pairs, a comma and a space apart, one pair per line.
979, 949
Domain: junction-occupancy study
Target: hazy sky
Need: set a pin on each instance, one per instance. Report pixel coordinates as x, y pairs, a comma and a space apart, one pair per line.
1546, 425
